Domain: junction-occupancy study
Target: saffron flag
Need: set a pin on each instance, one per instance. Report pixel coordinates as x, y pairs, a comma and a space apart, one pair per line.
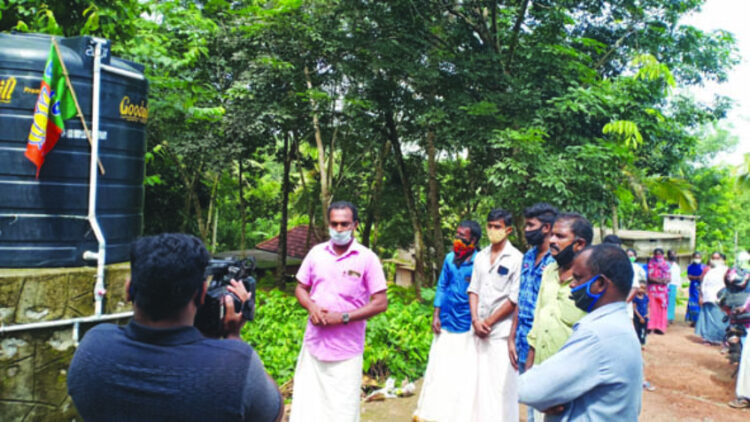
54, 105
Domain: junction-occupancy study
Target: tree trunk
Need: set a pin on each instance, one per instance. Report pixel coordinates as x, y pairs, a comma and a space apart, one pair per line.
216, 226
281, 265
325, 194
434, 204
515, 33
409, 197
310, 208
206, 229
377, 187
615, 220
186, 208
242, 214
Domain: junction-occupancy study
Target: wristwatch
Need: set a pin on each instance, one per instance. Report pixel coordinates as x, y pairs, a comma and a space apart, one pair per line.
345, 318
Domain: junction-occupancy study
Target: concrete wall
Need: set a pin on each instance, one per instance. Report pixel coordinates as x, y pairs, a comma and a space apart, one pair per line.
682, 224
34, 363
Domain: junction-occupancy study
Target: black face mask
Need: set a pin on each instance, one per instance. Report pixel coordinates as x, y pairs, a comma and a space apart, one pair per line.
534, 237
565, 256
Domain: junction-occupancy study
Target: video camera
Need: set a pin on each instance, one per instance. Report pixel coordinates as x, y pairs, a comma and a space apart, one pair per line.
210, 317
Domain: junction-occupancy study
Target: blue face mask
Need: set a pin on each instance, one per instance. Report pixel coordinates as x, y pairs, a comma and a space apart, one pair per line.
583, 297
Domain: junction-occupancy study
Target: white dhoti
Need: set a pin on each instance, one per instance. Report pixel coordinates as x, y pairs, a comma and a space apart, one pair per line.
446, 379
496, 390
326, 391
743, 373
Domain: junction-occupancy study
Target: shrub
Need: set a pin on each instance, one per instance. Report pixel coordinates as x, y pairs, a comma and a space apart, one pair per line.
397, 343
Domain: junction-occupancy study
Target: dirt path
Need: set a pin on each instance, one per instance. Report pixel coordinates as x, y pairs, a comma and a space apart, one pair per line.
693, 383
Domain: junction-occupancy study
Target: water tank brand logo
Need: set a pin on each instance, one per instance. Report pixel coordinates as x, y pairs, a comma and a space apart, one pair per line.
6, 89
133, 112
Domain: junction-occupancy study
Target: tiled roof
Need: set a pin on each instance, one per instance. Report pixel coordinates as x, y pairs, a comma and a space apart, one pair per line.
295, 242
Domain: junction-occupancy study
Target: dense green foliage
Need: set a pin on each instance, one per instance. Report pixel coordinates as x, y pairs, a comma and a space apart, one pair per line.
422, 113
397, 344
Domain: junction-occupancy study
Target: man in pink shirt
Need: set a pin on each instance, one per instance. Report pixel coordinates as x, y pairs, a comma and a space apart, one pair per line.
341, 284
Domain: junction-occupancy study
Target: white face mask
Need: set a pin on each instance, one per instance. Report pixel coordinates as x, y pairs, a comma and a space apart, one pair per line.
716, 262
340, 238
697, 261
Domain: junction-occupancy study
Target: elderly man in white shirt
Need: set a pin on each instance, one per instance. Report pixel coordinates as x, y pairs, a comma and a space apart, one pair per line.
493, 295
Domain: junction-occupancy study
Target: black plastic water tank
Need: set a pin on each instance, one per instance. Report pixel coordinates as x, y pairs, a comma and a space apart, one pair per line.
40, 224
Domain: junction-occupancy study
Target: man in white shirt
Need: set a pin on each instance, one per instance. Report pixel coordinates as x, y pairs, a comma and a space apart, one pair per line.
493, 295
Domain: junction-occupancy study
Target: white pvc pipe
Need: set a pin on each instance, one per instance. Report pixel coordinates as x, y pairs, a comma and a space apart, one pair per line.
64, 322
99, 287
22, 215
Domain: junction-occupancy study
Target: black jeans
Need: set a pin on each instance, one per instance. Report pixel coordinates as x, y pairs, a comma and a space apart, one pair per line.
640, 328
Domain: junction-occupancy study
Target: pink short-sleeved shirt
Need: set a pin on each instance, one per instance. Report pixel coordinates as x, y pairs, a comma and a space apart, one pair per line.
340, 284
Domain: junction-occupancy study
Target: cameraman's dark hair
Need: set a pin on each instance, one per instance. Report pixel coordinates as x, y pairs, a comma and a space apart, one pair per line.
612, 239
474, 228
542, 211
612, 262
500, 214
579, 225
341, 205
166, 270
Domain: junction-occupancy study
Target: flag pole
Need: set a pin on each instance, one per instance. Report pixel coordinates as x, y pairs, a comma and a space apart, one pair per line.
75, 98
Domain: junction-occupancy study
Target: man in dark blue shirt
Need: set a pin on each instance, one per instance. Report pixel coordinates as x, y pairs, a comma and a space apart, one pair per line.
445, 378
160, 367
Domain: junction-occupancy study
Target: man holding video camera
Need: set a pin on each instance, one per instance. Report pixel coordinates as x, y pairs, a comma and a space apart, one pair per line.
159, 366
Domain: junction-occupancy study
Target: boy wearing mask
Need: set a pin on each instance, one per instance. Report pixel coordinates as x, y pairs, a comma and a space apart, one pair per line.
493, 295
640, 308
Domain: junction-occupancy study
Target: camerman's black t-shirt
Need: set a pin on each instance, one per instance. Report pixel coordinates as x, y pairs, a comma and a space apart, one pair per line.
141, 373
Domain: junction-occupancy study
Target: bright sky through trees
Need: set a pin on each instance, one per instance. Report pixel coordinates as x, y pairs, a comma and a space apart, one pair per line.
730, 15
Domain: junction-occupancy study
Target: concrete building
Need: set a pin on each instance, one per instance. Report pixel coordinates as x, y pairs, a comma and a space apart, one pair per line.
678, 234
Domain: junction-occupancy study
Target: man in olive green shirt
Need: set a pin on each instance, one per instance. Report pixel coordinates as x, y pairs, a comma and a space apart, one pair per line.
555, 312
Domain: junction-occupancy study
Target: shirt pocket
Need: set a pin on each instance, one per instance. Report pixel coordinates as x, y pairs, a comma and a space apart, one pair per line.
352, 286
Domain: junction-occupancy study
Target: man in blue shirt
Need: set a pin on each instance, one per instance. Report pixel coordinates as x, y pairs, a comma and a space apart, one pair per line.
597, 374
445, 376
540, 218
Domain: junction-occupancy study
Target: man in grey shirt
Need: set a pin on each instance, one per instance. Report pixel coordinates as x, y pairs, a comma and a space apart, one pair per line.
597, 374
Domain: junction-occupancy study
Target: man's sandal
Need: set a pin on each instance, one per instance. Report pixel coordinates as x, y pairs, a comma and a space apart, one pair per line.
739, 403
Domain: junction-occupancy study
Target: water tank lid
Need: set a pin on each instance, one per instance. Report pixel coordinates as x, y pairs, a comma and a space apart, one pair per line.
31, 50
